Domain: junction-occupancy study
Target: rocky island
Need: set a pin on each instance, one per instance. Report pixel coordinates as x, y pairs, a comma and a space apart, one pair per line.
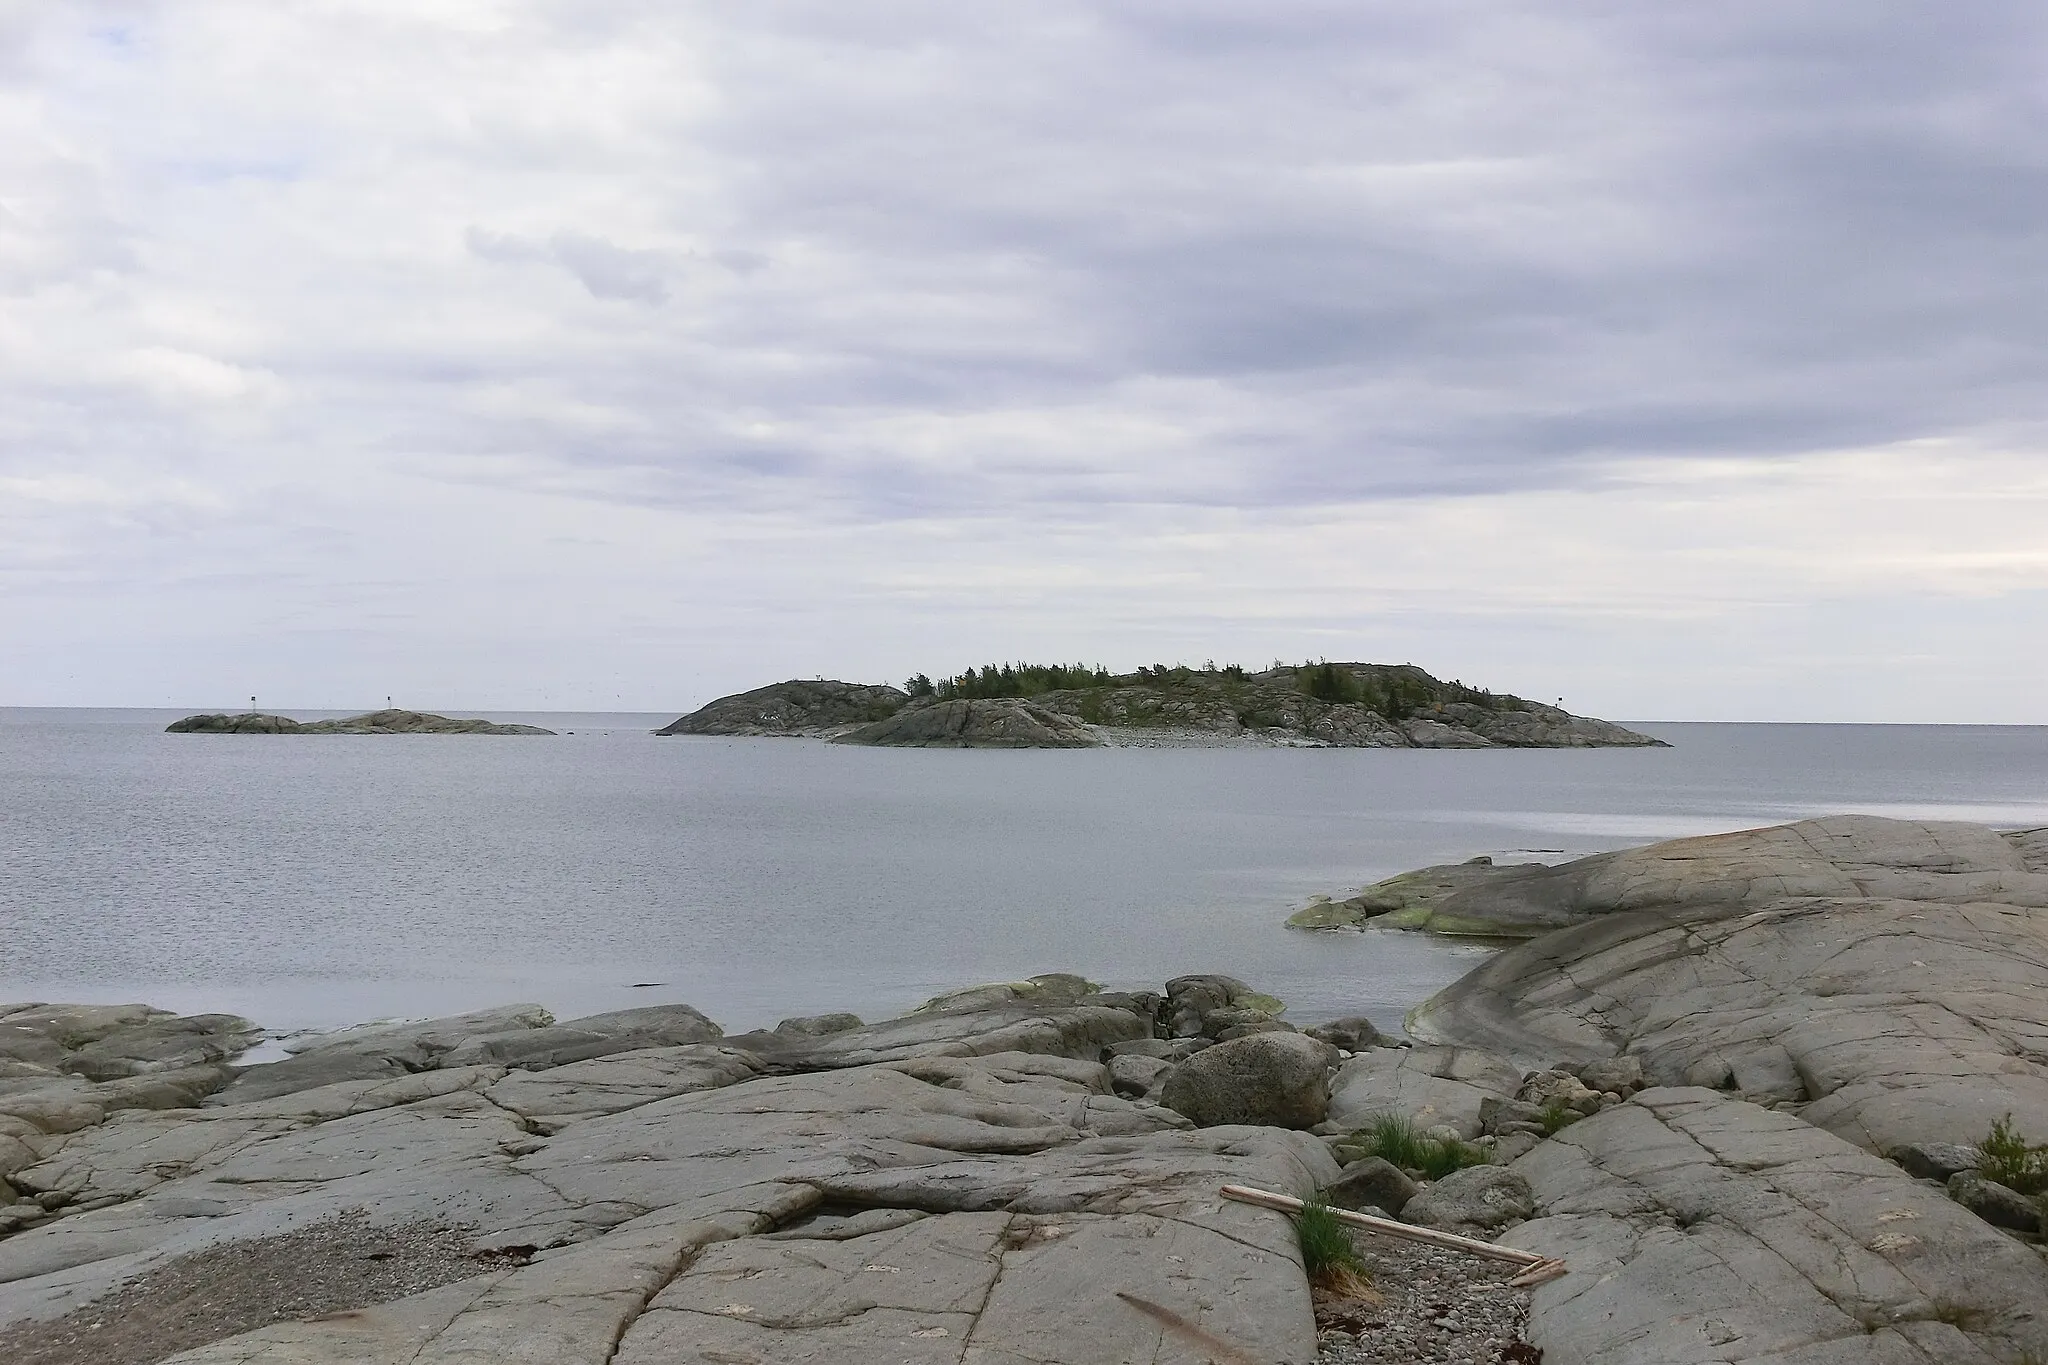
387, 722
1321, 705
1767, 1096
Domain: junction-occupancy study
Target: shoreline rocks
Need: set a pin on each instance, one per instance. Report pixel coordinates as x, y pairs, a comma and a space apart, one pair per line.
389, 722
982, 1177
1829, 1016
975, 1152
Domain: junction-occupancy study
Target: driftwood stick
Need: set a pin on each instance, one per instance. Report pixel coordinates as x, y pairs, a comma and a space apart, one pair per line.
1541, 1273
1217, 1348
1286, 1203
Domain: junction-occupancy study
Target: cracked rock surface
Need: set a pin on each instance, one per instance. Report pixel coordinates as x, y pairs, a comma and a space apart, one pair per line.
954, 1186
1805, 1002
1886, 978
1699, 1227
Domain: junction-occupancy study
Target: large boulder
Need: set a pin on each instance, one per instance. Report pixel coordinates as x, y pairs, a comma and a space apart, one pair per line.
991, 723
801, 706
1430, 1085
1280, 1080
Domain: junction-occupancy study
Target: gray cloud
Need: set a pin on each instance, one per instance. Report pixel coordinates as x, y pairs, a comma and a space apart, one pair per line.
1075, 263
605, 269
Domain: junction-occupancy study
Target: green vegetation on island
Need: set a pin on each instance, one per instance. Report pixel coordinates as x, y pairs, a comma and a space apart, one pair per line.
1319, 703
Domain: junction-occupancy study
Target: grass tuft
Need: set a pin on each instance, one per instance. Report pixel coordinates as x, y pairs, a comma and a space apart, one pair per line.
1396, 1139
1556, 1117
2007, 1157
1326, 1250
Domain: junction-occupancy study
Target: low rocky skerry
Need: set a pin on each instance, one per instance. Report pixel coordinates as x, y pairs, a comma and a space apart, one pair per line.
1327, 705
386, 722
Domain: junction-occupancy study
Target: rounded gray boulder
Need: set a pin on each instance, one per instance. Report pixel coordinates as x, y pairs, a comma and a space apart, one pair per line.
1486, 1198
1280, 1080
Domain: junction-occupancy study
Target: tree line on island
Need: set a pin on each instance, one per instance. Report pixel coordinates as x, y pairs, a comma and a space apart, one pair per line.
1395, 692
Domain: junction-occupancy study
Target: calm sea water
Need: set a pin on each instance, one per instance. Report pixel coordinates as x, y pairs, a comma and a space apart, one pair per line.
321, 880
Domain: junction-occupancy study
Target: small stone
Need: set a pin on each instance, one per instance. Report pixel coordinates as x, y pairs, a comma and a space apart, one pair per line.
1134, 1076
1374, 1180
1623, 1075
1936, 1160
1994, 1203
1353, 1033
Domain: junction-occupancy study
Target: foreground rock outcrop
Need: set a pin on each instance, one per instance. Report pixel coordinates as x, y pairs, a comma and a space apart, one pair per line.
1348, 705
1828, 1016
390, 722
1888, 978
961, 1183
1703, 1228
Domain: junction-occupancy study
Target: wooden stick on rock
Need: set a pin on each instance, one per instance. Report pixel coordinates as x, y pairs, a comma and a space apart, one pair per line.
1387, 1227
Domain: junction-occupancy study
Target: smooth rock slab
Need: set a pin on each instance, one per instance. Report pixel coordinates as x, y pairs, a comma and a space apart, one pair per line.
1703, 1229
1888, 977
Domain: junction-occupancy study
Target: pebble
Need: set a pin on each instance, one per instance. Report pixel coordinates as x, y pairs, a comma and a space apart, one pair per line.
1437, 1305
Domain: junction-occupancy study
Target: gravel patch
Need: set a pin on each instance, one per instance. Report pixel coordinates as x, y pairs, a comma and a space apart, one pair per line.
1436, 1306
328, 1267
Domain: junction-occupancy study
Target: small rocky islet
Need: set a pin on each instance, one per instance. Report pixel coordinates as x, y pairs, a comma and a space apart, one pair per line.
1322, 705
1740, 1085
391, 721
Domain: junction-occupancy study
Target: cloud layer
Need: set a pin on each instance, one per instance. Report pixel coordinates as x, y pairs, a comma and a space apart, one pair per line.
538, 353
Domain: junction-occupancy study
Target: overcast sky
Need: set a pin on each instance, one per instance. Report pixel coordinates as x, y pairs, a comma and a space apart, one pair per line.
1681, 361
